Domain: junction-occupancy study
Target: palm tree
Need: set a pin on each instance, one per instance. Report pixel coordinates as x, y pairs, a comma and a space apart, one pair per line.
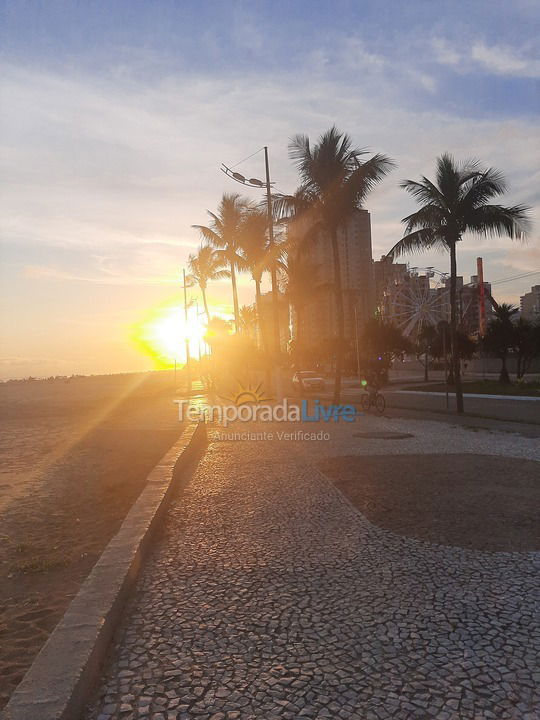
249, 320
456, 203
500, 337
223, 233
334, 183
256, 256
299, 282
204, 267
426, 338
527, 345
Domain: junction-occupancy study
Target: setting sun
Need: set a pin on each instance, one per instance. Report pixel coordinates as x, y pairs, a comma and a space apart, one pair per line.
162, 334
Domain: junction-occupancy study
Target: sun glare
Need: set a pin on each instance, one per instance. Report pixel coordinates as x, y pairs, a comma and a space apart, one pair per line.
162, 334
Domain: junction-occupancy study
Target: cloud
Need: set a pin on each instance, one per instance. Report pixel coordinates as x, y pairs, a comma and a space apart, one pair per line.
117, 167
496, 59
445, 53
107, 174
503, 60
352, 54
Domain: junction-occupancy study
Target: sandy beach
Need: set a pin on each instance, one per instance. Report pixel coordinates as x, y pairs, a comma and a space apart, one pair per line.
75, 455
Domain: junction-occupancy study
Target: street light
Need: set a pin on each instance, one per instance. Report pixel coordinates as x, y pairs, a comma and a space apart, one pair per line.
188, 363
256, 183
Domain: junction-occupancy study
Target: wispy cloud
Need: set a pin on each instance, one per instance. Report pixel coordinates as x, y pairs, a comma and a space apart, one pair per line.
108, 171
504, 60
445, 53
138, 163
496, 59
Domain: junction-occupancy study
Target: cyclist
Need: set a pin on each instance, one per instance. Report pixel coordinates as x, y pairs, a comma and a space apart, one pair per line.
373, 398
373, 384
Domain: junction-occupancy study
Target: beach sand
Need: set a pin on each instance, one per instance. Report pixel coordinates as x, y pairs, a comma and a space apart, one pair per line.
75, 454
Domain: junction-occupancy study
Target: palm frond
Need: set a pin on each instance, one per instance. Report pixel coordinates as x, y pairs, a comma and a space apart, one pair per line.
418, 241
217, 222
209, 235
448, 176
300, 153
428, 216
424, 191
366, 175
482, 187
497, 220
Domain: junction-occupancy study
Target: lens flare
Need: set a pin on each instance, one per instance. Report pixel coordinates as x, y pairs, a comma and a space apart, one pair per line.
162, 333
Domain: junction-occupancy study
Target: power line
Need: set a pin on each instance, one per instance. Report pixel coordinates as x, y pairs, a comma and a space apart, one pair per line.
515, 277
246, 158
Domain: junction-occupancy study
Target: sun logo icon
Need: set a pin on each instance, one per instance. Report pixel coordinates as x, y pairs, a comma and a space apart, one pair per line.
247, 395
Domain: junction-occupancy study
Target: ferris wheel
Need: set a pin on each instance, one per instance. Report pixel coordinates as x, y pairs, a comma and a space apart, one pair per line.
420, 300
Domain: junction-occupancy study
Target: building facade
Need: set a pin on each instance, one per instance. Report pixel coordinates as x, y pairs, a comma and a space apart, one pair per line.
319, 315
267, 320
530, 305
469, 306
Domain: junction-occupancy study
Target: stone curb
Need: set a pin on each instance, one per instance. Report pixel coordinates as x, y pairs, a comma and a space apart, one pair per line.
59, 682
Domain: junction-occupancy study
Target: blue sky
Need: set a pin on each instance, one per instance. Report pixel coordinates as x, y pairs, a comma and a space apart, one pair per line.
116, 116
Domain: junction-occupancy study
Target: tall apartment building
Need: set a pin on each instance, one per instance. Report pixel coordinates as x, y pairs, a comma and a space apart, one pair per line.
530, 304
267, 319
320, 318
387, 275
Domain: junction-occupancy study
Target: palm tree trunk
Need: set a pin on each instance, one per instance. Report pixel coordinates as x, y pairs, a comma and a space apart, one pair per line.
339, 317
262, 327
453, 325
205, 303
235, 299
504, 377
299, 310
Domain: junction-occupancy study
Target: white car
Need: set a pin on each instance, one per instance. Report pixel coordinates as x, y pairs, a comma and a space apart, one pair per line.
305, 380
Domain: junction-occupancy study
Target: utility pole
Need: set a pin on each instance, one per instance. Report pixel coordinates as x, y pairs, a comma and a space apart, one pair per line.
188, 364
199, 339
444, 326
357, 346
275, 298
255, 183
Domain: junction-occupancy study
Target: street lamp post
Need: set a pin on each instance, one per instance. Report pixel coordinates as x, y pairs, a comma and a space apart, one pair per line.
357, 344
188, 364
255, 183
273, 273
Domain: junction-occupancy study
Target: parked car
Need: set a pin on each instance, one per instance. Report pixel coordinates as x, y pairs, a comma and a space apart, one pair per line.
306, 380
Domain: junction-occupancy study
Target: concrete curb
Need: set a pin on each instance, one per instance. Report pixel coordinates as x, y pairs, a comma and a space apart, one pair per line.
59, 681
481, 396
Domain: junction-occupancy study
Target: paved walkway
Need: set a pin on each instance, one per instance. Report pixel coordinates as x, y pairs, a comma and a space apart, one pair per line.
271, 597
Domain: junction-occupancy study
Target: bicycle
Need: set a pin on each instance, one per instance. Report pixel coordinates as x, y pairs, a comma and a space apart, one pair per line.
373, 398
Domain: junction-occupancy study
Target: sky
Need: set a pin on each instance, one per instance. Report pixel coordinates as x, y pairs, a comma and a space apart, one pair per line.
116, 115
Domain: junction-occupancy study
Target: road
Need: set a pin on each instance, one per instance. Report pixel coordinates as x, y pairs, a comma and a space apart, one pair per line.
509, 409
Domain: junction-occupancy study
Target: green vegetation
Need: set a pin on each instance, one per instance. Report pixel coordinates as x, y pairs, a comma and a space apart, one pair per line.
382, 342
224, 234
334, 183
454, 205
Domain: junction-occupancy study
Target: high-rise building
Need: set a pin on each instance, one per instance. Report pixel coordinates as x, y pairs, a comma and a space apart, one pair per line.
387, 275
319, 314
267, 319
530, 304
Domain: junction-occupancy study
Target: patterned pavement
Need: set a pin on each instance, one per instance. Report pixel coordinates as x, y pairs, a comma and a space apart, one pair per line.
270, 596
